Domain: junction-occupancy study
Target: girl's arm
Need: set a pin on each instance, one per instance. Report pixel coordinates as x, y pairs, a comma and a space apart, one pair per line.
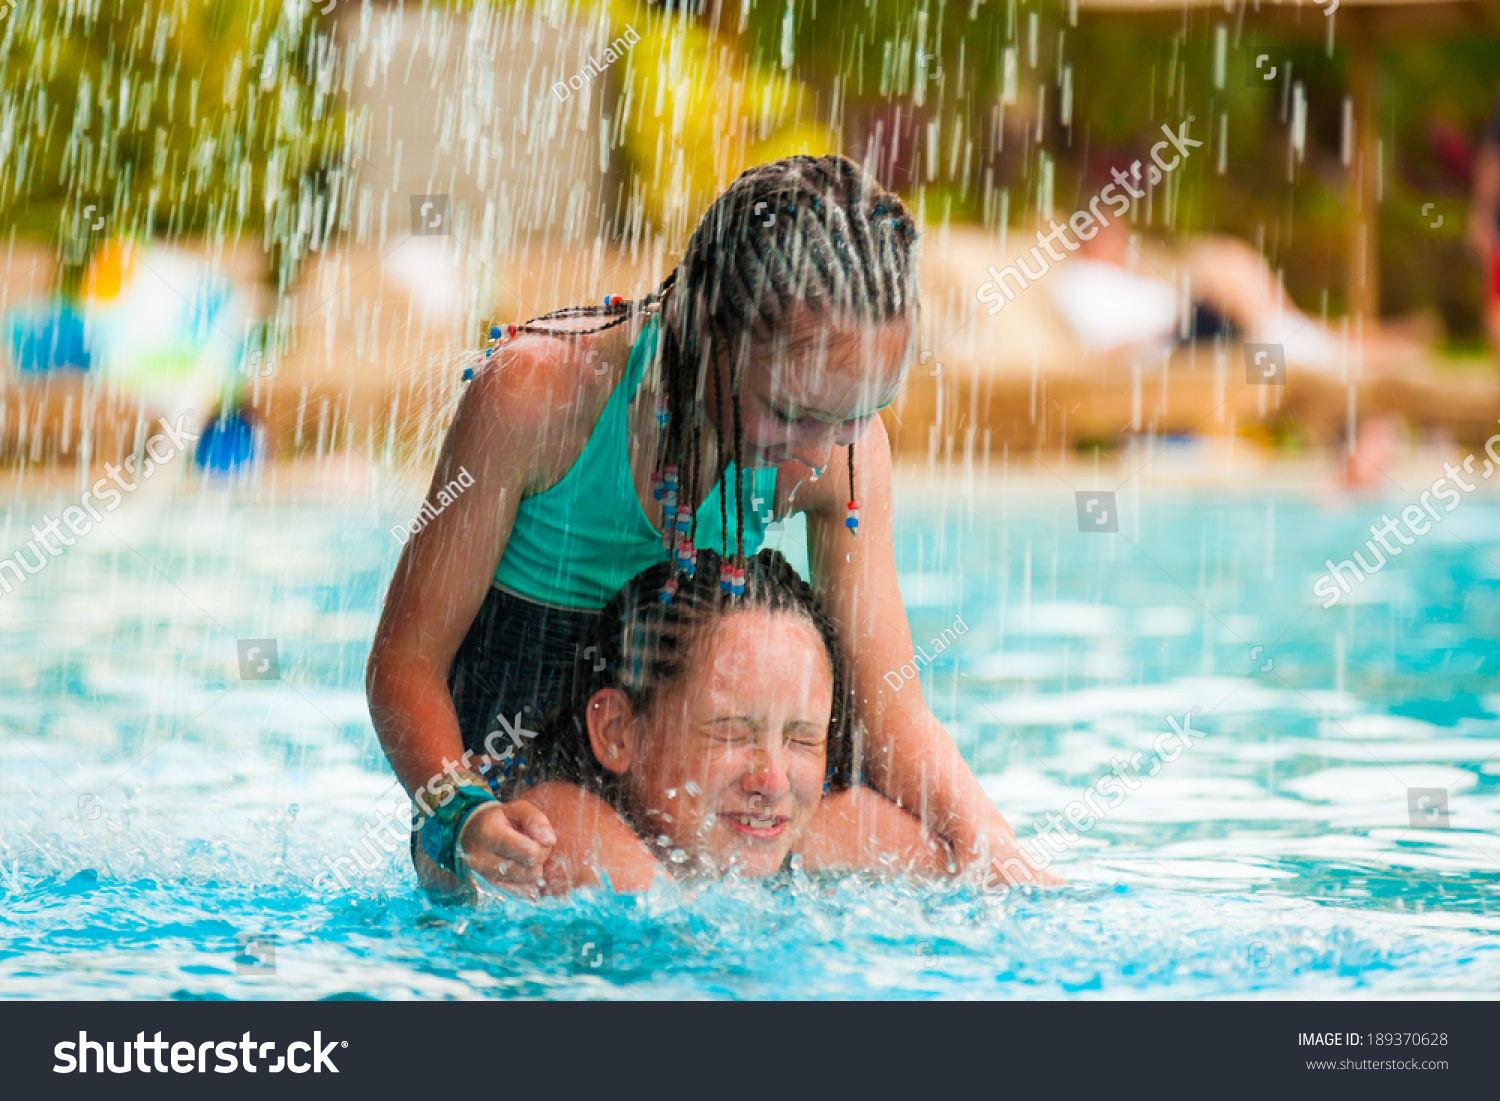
862, 830
854, 830
908, 754
592, 841
441, 580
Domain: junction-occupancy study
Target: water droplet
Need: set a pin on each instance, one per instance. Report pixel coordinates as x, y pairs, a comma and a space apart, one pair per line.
692, 788
663, 840
677, 856
671, 793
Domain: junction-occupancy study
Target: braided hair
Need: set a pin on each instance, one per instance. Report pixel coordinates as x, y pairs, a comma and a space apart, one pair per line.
642, 645
815, 236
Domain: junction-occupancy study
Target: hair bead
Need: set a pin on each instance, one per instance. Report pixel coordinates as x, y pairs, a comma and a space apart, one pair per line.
851, 521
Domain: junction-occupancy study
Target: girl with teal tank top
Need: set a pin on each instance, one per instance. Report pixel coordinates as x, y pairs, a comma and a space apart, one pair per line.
576, 544
789, 322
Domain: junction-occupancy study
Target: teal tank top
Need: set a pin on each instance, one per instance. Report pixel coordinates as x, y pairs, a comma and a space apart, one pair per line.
577, 543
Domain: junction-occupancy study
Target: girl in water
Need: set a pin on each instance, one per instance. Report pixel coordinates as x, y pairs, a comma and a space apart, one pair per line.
603, 440
710, 726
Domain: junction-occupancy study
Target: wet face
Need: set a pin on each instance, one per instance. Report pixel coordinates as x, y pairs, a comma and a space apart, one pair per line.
801, 398
729, 763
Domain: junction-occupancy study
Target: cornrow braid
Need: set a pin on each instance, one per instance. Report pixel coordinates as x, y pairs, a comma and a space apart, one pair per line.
739, 465
725, 569
801, 236
642, 646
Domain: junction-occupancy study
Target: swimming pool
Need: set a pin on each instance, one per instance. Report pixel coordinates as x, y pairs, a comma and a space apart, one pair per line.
171, 830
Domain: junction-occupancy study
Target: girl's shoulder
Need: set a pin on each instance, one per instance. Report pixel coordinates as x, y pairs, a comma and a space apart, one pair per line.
551, 389
538, 370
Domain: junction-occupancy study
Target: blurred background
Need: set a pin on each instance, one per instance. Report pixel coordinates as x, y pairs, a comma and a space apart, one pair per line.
220, 205
285, 227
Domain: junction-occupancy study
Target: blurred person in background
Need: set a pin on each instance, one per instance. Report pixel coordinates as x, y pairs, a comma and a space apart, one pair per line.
1123, 295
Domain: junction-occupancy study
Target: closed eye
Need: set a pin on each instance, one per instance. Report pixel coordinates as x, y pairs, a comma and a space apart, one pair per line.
784, 417
807, 736
733, 729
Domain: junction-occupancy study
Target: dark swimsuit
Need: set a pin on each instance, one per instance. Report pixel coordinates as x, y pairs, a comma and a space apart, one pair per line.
571, 548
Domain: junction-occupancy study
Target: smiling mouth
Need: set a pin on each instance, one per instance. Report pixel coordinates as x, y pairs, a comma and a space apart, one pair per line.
761, 828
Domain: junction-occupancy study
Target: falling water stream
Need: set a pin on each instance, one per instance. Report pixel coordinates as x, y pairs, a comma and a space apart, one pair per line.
295, 221
157, 808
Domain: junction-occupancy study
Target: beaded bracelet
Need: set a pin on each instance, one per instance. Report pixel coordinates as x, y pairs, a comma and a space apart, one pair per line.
456, 798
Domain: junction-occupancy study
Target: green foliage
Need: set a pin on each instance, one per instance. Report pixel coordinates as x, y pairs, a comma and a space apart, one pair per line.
166, 117
1130, 73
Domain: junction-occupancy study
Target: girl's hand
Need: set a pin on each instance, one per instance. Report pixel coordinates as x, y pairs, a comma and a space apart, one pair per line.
508, 848
992, 853
594, 843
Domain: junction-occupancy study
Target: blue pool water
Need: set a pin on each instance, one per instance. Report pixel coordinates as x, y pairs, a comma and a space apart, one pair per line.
162, 820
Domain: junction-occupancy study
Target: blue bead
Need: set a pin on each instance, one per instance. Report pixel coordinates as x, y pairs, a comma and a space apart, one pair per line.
852, 523
494, 332
468, 373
